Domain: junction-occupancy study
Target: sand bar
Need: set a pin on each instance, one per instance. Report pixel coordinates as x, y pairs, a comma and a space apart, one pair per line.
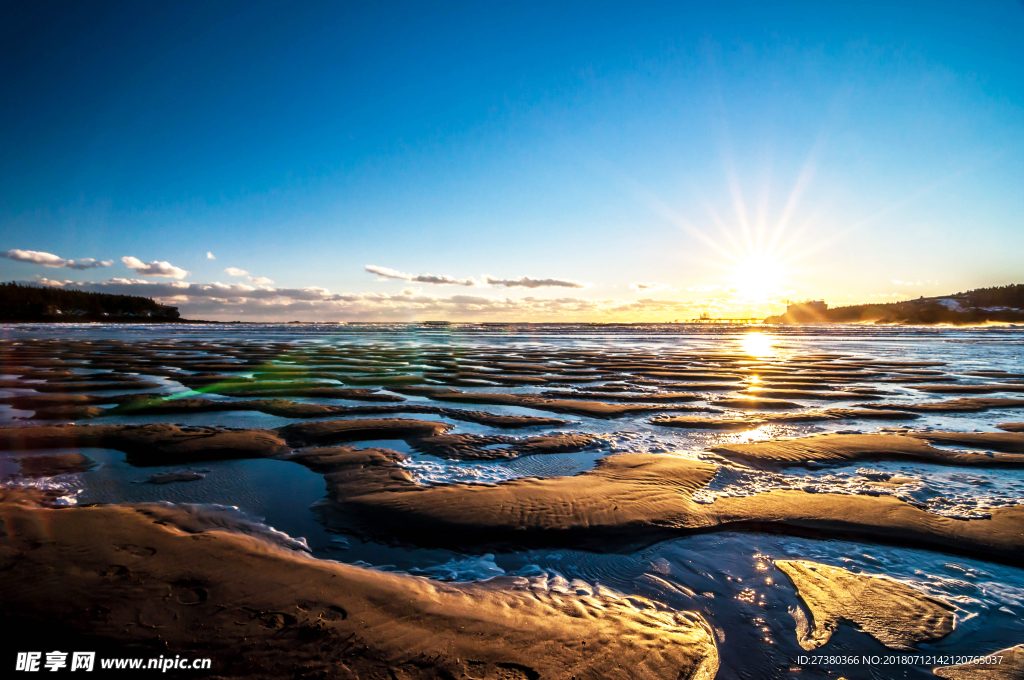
263, 612
888, 610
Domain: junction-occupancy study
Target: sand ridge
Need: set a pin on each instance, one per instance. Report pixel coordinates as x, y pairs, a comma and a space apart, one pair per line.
261, 612
592, 409
293, 409
890, 611
1010, 666
841, 448
750, 422
962, 405
629, 499
164, 444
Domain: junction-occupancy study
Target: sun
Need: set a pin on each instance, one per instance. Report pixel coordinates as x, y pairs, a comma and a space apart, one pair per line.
757, 277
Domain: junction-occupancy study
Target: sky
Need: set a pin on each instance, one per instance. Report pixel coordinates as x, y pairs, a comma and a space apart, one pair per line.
627, 162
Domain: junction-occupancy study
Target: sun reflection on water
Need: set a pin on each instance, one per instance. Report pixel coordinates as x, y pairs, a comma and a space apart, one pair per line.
757, 434
760, 345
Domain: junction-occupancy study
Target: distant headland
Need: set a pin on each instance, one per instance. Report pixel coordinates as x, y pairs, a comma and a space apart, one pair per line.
1003, 304
37, 304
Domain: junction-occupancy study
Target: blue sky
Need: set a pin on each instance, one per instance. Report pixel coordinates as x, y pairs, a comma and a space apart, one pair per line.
667, 158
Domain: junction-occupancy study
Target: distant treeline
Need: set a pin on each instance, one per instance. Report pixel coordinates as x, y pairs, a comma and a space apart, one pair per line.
39, 303
999, 304
1000, 296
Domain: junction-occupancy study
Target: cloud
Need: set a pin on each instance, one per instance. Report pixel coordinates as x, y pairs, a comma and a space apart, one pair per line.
210, 256
703, 288
51, 260
527, 282
420, 278
154, 268
178, 289
261, 280
643, 287
523, 282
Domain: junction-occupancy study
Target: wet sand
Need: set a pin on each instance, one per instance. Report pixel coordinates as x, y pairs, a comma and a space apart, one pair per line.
1009, 666
593, 409
891, 612
750, 422
263, 612
161, 579
962, 405
833, 448
630, 499
292, 409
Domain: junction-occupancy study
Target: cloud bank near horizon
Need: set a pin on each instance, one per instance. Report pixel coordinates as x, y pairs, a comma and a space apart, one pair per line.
258, 280
389, 273
527, 282
644, 287
521, 282
231, 301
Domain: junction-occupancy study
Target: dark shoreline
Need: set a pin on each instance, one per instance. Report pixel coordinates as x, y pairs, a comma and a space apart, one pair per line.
137, 320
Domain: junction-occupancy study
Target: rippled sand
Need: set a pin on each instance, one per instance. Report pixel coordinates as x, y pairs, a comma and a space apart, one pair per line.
584, 465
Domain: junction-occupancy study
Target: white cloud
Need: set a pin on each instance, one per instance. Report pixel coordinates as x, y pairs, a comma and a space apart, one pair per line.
703, 288
216, 289
420, 278
523, 282
210, 256
154, 268
53, 261
644, 287
527, 282
261, 280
